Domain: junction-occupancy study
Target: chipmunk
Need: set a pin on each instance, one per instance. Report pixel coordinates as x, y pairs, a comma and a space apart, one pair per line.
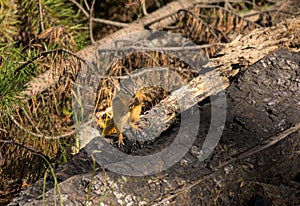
143, 100
120, 119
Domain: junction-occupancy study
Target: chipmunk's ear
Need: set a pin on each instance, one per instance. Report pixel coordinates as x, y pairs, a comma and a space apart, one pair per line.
141, 95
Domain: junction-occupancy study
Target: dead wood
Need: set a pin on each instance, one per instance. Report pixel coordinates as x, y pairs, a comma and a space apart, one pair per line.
258, 153
237, 55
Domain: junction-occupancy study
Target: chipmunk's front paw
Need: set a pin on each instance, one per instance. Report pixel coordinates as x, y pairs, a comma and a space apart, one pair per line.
135, 130
134, 126
120, 140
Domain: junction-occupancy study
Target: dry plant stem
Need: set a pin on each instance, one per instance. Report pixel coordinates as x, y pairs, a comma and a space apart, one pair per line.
67, 134
168, 49
3, 130
91, 22
43, 54
80, 7
31, 122
143, 2
203, 22
104, 21
86, 4
106, 111
109, 22
266, 144
24, 146
229, 11
41, 15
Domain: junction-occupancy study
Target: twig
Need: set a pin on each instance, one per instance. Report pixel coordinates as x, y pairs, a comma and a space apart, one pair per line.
41, 15
91, 22
143, 2
86, 4
164, 49
80, 7
3, 130
114, 23
104, 21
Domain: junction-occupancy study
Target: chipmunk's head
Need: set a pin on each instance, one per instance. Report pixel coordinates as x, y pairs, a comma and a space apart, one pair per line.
137, 100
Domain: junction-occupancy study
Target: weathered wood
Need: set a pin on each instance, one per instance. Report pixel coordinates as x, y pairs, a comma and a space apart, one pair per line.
180, 100
237, 55
246, 50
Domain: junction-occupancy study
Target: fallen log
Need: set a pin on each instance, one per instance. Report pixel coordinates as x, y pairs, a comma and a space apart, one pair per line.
236, 56
258, 151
